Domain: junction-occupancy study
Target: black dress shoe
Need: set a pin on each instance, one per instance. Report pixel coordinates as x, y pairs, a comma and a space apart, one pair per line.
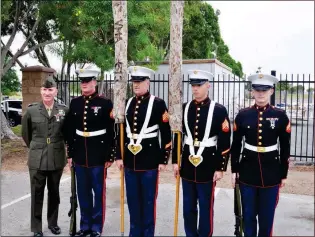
95, 234
38, 234
55, 230
83, 233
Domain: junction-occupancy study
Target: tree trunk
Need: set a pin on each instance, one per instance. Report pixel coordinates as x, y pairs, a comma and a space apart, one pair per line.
175, 65
101, 84
121, 40
6, 131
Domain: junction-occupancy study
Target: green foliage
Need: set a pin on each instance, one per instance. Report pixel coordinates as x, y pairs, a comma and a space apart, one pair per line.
63, 19
201, 36
87, 50
297, 88
226, 58
10, 82
65, 24
200, 30
283, 86
93, 24
87, 29
148, 30
5, 10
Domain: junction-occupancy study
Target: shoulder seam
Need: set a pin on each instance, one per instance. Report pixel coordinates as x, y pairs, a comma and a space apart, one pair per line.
244, 109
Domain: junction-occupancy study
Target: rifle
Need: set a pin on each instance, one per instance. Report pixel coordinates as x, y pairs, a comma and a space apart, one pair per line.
238, 210
74, 204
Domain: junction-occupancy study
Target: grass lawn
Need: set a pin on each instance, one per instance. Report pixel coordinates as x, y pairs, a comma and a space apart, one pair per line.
17, 130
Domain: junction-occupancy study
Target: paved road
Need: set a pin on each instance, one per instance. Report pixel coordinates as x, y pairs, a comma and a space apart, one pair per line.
294, 215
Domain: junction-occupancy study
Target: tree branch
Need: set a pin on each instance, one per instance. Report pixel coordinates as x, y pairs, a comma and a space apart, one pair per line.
166, 50
6, 48
40, 45
45, 59
11, 55
26, 14
18, 53
97, 38
41, 55
9, 64
104, 36
40, 52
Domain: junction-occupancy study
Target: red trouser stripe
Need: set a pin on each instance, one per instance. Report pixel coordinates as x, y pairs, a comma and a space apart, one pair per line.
211, 209
156, 194
104, 199
275, 210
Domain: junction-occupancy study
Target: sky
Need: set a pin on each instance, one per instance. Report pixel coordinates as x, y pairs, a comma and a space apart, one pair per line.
274, 35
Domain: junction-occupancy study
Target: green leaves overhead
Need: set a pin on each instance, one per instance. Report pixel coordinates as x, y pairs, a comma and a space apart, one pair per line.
87, 28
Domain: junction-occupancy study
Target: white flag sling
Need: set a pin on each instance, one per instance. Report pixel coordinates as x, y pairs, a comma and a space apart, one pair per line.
135, 148
196, 159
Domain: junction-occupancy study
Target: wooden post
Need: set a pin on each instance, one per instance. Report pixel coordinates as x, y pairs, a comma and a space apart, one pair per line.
121, 80
175, 91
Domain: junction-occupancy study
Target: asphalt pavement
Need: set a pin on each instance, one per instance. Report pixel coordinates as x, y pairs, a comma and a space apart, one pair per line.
294, 214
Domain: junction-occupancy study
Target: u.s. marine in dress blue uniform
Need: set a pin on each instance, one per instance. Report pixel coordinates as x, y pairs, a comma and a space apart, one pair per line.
206, 136
146, 117
262, 168
90, 139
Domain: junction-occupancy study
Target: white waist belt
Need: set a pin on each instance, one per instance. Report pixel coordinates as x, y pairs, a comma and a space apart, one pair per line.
147, 133
90, 134
135, 136
261, 148
212, 141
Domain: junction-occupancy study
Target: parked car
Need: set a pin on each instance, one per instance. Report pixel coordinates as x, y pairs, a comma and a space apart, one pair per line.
13, 110
281, 106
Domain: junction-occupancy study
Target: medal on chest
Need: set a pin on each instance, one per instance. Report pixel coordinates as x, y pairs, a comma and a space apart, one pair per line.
59, 115
95, 109
272, 122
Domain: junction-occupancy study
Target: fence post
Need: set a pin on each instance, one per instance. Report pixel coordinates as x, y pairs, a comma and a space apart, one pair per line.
273, 96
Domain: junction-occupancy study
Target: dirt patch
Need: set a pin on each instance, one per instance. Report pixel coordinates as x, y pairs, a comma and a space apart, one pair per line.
14, 155
300, 178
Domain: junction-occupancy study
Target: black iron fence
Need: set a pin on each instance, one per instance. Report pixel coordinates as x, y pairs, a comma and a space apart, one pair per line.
294, 94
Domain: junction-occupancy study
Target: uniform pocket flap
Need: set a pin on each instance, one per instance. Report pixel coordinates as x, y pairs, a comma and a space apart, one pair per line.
38, 145
38, 120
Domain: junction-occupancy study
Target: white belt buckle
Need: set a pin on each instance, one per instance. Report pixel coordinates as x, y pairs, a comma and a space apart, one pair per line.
134, 136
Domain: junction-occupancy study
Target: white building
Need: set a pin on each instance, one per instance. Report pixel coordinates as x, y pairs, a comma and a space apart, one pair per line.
226, 88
